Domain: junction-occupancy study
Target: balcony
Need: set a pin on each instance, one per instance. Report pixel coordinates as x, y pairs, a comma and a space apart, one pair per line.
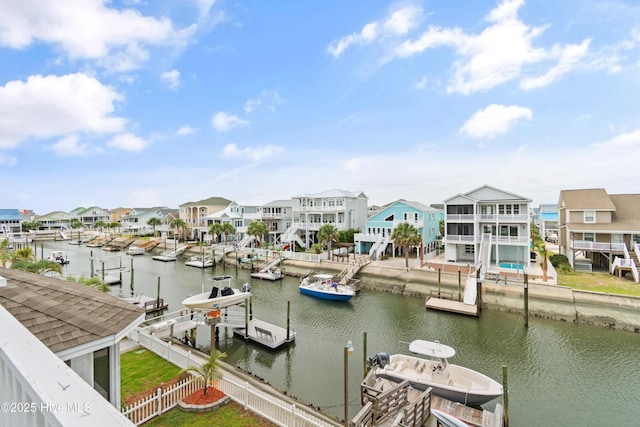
587, 245
460, 217
511, 239
365, 237
513, 218
459, 238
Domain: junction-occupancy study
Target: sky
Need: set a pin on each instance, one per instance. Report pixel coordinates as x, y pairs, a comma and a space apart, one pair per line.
141, 103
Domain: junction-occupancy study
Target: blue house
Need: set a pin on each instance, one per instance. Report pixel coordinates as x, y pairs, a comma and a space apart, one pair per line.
10, 221
376, 237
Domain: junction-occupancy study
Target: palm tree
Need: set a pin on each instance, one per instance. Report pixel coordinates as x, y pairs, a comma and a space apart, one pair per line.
542, 251
39, 267
215, 230
5, 255
406, 235
227, 228
23, 254
154, 222
257, 229
327, 234
94, 282
208, 372
75, 224
179, 225
100, 225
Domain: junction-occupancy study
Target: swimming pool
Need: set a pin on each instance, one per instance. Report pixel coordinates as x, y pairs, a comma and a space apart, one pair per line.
511, 265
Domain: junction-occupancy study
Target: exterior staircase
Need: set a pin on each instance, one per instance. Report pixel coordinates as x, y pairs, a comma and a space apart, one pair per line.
351, 269
291, 236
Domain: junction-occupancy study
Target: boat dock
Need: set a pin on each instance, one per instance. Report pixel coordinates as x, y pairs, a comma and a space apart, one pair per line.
444, 300
265, 334
471, 416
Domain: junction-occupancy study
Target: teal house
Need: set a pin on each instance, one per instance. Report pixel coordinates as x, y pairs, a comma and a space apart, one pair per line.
376, 240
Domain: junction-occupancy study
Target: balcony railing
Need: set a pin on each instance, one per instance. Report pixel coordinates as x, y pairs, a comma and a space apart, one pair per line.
460, 217
597, 246
457, 238
511, 239
513, 218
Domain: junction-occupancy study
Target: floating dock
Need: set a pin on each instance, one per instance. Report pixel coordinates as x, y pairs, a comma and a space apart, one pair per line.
451, 306
165, 258
265, 334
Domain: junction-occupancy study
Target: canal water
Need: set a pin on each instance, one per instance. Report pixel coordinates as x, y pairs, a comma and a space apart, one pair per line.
559, 374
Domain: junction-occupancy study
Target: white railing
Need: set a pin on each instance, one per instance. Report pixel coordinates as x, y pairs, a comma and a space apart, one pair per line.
251, 397
488, 217
460, 217
305, 256
626, 263
375, 245
512, 239
513, 218
37, 389
365, 237
453, 238
597, 246
161, 401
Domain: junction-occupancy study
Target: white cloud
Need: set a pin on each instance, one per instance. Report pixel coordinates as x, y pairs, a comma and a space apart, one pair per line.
623, 141
8, 160
422, 84
204, 6
251, 104
185, 130
128, 142
88, 29
49, 106
497, 54
223, 122
253, 153
69, 146
568, 56
171, 78
398, 23
495, 120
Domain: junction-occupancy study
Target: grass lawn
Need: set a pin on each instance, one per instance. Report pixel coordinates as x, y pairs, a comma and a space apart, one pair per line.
599, 282
141, 370
230, 415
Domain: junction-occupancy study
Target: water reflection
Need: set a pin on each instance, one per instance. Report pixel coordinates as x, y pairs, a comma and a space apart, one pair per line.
559, 373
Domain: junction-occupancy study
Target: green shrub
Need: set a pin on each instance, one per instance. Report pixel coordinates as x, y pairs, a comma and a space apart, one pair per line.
316, 248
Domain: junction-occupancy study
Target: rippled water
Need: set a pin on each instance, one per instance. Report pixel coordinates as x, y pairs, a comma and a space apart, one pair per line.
559, 374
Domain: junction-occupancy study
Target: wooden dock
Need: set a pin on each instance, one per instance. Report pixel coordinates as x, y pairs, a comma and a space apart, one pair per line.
266, 334
444, 304
471, 416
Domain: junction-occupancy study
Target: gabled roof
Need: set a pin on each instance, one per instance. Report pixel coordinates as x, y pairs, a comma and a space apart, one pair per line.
487, 193
334, 193
279, 203
64, 314
106, 211
211, 201
55, 215
10, 215
586, 199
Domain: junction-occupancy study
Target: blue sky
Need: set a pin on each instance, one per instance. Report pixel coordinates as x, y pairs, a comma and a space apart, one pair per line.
144, 103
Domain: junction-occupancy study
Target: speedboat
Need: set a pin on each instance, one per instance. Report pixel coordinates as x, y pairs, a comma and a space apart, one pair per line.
326, 288
218, 298
449, 381
60, 257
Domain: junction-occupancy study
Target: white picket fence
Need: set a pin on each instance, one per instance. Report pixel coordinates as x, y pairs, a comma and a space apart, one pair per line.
161, 401
252, 398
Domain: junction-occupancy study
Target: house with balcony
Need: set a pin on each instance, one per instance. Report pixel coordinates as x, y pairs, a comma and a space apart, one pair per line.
343, 209
277, 217
136, 221
595, 228
10, 222
56, 220
82, 326
89, 216
194, 214
488, 226
375, 239
118, 214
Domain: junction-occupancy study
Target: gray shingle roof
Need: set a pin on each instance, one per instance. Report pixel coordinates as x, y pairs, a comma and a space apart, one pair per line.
64, 314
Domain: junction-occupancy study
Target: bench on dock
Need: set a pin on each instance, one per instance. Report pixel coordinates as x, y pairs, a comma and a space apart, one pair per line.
264, 334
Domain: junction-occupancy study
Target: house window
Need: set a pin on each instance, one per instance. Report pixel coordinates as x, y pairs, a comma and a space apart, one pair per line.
617, 238
389, 218
487, 209
588, 237
589, 217
489, 229
101, 374
469, 249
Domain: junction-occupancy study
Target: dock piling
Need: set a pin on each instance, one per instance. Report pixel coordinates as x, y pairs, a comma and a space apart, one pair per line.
526, 300
505, 396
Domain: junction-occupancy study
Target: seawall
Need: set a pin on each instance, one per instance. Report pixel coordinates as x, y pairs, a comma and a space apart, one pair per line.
545, 301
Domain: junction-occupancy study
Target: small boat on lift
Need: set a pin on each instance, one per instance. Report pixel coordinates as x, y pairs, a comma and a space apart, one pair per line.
326, 288
272, 274
199, 261
219, 296
449, 381
60, 257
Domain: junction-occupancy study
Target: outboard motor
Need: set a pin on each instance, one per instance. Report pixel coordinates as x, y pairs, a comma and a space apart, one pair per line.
380, 359
246, 287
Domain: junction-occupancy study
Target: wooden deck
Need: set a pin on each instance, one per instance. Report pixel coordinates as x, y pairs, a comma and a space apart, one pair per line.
451, 306
266, 334
471, 416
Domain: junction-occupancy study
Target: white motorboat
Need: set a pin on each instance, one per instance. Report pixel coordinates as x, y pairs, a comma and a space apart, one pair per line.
218, 297
449, 381
268, 274
60, 257
135, 250
326, 288
200, 262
